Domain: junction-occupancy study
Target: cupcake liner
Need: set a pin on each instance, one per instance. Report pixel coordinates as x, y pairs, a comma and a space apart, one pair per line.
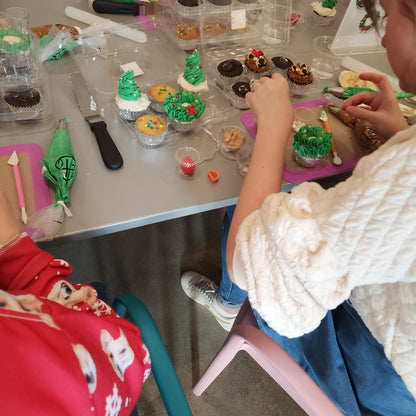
151, 140
322, 20
184, 126
307, 162
130, 115
156, 105
298, 89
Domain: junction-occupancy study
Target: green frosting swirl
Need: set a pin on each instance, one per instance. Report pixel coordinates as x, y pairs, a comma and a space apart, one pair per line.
184, 106
312, 141
127, 87
330, 4
194, 73
13, 47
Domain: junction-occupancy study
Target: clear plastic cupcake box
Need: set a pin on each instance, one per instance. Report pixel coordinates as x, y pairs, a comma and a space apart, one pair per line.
23, 86
211, 21
228, 85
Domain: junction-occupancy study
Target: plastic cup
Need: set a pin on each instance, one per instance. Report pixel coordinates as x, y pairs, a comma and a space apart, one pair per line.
18, 17
187, 158
329, 55
277, 24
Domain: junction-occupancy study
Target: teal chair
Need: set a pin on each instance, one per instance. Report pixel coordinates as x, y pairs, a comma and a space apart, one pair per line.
163, 371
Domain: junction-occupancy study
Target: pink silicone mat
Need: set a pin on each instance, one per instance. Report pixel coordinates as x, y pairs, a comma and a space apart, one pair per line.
306, 174
39, 185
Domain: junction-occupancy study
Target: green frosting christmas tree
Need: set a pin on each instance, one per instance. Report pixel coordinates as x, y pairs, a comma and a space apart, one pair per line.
330, 4
194, 73
127, 87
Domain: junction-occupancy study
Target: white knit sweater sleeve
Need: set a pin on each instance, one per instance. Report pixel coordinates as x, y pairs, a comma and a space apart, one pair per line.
302, 253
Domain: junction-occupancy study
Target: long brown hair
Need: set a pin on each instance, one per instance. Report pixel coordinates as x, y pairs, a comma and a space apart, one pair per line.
370, 7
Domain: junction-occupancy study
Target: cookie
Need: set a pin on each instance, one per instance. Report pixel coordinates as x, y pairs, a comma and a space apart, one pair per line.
230, 68
40, 31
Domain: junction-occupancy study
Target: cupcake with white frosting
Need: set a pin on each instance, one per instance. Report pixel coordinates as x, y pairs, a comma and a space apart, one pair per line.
193, 78
130, 100
324, 12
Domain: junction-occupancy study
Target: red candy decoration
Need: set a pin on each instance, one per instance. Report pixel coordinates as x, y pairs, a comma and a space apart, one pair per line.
188, 166
257, 54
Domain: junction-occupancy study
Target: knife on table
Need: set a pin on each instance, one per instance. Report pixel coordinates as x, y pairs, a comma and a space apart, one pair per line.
88, 107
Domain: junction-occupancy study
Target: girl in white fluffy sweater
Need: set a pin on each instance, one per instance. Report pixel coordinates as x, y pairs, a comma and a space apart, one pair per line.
312, 259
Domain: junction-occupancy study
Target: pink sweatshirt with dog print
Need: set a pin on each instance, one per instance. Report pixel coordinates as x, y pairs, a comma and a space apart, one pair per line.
62, 350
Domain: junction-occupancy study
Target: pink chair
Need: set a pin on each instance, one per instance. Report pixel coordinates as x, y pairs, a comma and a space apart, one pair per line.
245, 335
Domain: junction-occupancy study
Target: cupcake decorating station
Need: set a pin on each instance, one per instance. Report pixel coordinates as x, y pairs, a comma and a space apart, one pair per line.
153, 98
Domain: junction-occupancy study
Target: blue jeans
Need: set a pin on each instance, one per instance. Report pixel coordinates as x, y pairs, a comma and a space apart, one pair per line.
341, 355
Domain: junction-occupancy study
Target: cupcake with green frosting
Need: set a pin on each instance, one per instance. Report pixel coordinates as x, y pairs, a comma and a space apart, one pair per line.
15, 57
184, 109
12, 40
130, 100
193, 78
311, 144
324, 12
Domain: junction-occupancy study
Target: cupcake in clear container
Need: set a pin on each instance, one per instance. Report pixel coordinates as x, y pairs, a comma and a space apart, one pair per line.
14, 51
238, 94
151, 130
300, 78
158, 94
230, 70
282, 62
130, 100
311, 144
184, 109
193, 78
323, 12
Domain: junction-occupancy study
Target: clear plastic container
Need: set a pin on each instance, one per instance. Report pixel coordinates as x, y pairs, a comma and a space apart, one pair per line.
212, 21
187, 159
24, 93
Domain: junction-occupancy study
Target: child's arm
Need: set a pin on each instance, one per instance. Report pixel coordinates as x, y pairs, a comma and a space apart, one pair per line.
8, 225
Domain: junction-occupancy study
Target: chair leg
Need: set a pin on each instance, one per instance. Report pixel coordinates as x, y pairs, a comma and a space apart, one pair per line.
232, 345
163, 371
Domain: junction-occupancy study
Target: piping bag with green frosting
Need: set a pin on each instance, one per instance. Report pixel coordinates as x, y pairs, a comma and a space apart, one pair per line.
58, 166
350, 91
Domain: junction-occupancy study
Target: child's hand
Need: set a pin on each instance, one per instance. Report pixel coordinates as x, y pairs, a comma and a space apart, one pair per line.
382, 109
271, 104
8, 225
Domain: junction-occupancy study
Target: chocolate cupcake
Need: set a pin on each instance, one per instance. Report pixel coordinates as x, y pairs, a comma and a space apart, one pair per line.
230, 68
189, 3
241, 88
300, 79
257, 62
22, 98
300, 74
282, 63
220, 2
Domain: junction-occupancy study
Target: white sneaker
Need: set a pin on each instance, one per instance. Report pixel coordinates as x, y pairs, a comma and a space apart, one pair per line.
203, 291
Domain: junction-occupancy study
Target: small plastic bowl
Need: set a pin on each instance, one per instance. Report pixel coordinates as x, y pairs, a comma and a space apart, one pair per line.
227, 150
187, 158
304, 115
